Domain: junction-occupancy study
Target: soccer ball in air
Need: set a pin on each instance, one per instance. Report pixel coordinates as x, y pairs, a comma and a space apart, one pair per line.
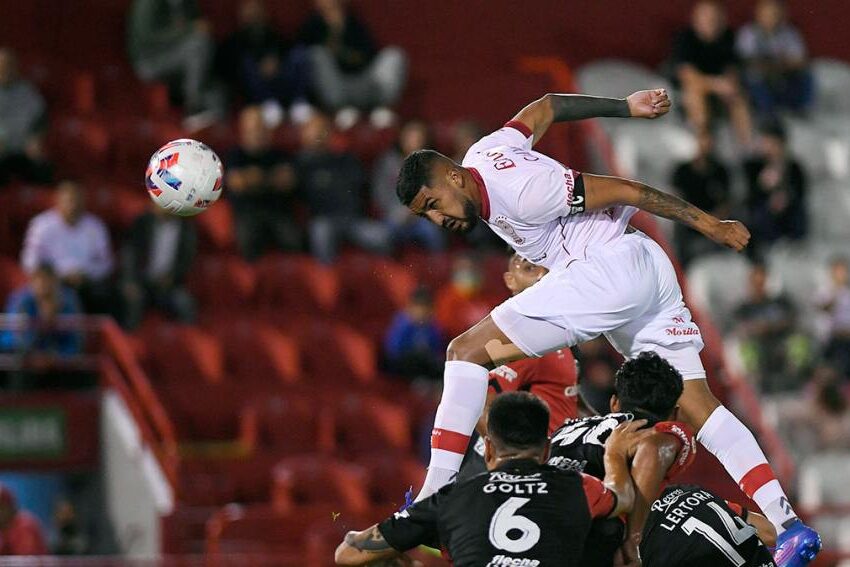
184, 177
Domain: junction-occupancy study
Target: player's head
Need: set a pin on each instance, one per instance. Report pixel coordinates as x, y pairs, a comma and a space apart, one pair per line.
648, 387
517, 428
522, 274
435, 187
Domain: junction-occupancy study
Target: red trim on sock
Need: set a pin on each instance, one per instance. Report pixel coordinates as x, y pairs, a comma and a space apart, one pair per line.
756, 478
449, 440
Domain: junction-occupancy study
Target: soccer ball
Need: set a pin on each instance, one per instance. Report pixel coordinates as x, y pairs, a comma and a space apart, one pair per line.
184, 177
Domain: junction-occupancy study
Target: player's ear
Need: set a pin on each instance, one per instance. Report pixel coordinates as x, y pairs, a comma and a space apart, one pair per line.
510, 281
674, 416
614, 403
488, 451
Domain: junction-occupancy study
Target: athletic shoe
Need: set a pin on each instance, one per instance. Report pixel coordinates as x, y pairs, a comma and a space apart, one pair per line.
797, 546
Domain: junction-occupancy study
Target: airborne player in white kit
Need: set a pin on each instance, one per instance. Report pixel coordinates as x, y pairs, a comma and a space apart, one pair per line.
604, 278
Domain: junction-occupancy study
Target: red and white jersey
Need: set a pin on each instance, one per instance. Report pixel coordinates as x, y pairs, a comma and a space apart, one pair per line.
530, 200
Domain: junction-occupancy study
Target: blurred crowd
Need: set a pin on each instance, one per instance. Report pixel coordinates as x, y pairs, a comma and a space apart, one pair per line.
322, 197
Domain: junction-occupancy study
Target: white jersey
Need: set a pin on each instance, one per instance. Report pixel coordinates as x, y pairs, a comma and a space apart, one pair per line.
535, 203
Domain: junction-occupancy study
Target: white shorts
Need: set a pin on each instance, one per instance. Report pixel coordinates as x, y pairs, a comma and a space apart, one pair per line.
626, 290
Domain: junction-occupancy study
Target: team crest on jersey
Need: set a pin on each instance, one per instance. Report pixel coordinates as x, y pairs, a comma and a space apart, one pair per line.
505, 372
506, 227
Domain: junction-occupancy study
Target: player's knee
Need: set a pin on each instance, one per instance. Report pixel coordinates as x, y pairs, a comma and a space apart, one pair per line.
465, 349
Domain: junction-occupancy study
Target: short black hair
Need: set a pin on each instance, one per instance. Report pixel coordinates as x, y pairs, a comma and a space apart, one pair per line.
415, 173
648, 387
518, 420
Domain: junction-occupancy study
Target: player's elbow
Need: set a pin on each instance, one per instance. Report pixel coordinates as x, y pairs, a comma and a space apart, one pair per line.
625, 499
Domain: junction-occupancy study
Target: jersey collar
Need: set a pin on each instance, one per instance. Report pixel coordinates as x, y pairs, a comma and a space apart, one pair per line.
482, 190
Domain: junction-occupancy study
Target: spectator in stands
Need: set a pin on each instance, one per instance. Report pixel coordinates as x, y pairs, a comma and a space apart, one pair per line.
22, 120
835, 302
404, 226
156, 258
776, 198
599, 364
70, 538
414, 346
773, 351
706, 66
774, 58
464, 134
168, 40
461, 303
703, 181
350, 72
261, 184
331, 183
819, 420
41, 301
261, 65
76, 244
20, 532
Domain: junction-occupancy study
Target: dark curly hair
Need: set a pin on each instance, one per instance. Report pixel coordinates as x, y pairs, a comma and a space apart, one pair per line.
648, 387
518, 420
415, 173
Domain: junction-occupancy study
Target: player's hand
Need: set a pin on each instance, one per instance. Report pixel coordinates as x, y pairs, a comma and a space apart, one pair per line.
626, 437
730, 233
649, 104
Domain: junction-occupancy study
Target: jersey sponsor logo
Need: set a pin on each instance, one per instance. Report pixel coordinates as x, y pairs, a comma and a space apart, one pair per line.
676, 332
567, 464
678, 509
505, 226
508, 477
505, 561
539, 258
505, 372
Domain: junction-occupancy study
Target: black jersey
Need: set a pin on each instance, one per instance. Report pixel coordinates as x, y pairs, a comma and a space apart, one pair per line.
689, 526
522, 513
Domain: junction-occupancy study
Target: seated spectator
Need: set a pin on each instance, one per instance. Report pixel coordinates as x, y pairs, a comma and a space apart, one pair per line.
773, 351
261, 186
703, 181
464, 134
156, 258
350, 73
22, 119
41, 301
20, 531
76, 244
461, 303
819, 420
706, 66
776, 198
169, 41
405, 227
835, 302
261, 65
331, 184
774, 58
414, 346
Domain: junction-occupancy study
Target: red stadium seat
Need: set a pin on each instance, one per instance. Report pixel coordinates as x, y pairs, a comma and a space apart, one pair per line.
258, 355
222, 284
290, 284
208, 481
117, 205
182, 352
288, 424
368, 424
390, 476
90, 140
334, 354
203, 412
315, 481
12, 276
216, 227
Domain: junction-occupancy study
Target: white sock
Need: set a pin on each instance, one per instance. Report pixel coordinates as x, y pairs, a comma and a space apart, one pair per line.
733, 444
464, 394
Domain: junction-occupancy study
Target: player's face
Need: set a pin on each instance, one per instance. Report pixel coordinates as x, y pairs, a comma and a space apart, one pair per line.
445, 205
522, 274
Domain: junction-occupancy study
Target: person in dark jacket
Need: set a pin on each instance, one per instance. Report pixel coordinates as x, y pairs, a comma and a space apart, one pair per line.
156, 257
349, 70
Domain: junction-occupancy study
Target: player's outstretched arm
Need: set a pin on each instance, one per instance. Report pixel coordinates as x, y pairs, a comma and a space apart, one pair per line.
602, 192
619, 447
541, 113
365, 548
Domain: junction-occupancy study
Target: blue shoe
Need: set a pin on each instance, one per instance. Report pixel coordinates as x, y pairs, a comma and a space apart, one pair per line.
797, 546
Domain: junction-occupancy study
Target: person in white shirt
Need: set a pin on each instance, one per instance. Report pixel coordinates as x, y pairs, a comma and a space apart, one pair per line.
76, 244
604, 278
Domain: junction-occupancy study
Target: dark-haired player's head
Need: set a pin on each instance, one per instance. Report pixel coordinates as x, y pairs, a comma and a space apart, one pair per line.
522, 274
517, 428
435, 187
648, 387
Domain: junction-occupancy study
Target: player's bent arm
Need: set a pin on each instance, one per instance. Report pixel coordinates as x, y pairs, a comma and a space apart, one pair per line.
654, 457
620, 445
362, 548
541, 113
765, 530
603, 191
